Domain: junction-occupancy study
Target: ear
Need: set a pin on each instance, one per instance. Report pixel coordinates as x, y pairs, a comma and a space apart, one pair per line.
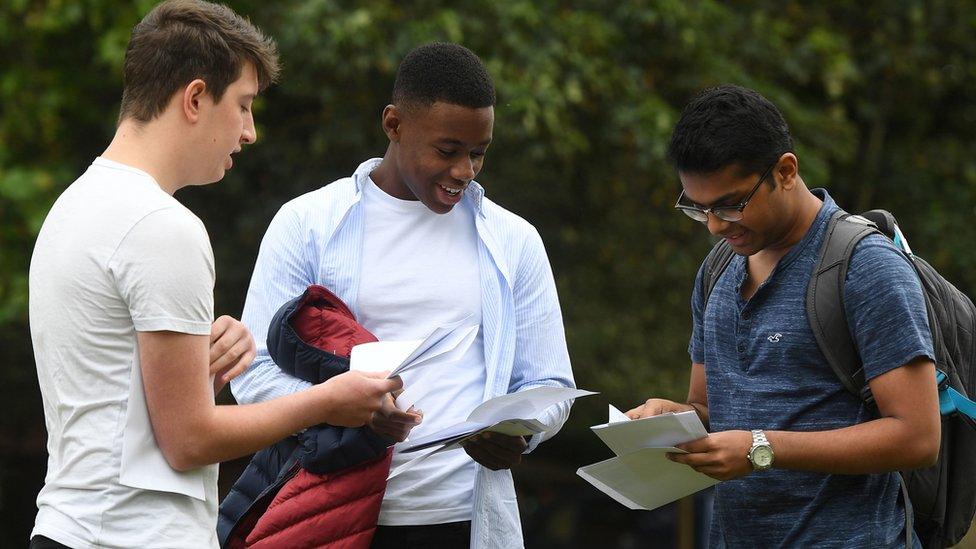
193, 95
787, 171
391, 123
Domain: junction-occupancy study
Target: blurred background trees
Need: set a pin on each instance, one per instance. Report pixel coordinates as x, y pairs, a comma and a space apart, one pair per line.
879, 96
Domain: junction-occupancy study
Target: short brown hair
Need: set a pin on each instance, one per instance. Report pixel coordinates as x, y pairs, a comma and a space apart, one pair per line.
181, 40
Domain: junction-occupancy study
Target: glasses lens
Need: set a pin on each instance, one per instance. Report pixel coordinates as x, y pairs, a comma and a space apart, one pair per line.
697, 215
728, 215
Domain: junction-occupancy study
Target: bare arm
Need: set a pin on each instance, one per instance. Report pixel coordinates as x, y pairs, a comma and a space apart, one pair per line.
906, 436
192, 431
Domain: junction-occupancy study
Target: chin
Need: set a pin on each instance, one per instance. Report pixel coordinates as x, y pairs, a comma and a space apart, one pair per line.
216, 177
744, 251
439, 208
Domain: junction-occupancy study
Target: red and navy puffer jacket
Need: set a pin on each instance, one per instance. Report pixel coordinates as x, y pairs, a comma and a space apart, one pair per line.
323, 487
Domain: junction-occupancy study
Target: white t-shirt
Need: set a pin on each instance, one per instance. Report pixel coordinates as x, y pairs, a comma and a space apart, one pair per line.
116, 255
420, 270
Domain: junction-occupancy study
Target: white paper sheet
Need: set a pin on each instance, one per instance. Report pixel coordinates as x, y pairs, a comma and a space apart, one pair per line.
416, 381
616, 416
404, 467
524, 406
441, 340
449, 342
641, 477
142, 462
380, 356
664, 430
645, 479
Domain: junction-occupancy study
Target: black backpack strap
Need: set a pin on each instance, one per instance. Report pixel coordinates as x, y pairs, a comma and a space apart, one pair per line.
909, 512
715, 263
828, 319
825, 300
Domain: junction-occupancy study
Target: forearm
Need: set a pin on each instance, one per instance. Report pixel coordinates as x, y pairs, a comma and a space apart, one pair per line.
697, 393
221, 433
881, 445
700, 408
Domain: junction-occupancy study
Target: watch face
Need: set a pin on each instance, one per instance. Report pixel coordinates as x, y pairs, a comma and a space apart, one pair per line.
762, 456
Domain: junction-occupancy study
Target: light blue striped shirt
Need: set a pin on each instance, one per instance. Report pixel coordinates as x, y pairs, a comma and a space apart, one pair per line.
317, 238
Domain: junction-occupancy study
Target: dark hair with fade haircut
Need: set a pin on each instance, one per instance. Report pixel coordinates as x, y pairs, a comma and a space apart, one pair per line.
728, 125
445, 72
181, 40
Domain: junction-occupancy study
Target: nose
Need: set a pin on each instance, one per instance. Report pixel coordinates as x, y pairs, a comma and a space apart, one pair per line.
463, 170
249, 134
716, 225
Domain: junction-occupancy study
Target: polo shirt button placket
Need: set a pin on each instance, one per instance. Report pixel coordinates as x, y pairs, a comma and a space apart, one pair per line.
745, 328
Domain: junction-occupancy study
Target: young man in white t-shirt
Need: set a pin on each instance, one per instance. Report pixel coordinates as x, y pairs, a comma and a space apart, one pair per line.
121, 304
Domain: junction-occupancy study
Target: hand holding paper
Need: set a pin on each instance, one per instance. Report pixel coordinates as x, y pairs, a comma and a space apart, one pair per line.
447, 343
513, 415
494, 450
392, 423
641, 476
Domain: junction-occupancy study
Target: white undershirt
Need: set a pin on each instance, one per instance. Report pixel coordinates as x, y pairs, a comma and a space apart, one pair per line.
420, 270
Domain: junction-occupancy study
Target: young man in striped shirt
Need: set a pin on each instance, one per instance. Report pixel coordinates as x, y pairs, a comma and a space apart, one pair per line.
410, 242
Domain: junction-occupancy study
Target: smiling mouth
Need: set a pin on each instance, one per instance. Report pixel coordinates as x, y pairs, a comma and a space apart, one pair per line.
450, 191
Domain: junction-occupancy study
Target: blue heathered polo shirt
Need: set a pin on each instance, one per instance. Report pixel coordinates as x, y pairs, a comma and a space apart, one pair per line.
765, 371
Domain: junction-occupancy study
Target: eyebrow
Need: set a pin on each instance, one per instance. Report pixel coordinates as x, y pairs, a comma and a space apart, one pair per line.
724, 200
458, 142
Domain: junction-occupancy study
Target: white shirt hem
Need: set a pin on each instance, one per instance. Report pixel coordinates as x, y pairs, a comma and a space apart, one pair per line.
424, 517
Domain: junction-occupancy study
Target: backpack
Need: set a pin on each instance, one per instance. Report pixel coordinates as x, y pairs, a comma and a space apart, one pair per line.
943, 496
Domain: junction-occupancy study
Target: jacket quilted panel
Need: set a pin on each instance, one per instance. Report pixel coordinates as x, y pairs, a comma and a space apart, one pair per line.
331, 510
301, 340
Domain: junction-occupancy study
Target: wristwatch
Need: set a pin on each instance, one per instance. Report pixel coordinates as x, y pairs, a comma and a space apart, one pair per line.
761, 453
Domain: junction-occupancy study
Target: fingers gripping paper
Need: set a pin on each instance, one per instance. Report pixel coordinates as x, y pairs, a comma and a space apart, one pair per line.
641, 476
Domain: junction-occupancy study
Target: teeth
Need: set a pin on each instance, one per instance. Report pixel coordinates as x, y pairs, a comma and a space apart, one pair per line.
451, 192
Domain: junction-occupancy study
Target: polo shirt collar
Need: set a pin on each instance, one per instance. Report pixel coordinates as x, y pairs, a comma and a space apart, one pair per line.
815, 230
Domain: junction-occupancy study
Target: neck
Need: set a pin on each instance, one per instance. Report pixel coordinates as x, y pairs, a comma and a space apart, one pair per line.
149, 147
804, 212
387, 177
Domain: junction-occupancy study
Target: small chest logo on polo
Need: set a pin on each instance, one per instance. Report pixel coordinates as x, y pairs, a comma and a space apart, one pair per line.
775, 337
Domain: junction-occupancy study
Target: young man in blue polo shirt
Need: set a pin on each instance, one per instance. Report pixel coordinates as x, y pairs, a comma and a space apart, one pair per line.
805, 462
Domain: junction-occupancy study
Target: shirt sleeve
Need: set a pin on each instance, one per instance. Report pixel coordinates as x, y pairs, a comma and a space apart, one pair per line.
282, 272
541, 356
696, 346
164, 271
885, 307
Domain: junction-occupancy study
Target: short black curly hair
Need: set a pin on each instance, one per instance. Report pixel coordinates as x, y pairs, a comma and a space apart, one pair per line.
728, 125
446, 72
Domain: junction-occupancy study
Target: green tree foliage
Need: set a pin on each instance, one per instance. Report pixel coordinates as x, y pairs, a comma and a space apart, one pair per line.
879, 95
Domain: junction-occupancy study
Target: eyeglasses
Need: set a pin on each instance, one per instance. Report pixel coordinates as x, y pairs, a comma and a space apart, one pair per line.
731, 213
